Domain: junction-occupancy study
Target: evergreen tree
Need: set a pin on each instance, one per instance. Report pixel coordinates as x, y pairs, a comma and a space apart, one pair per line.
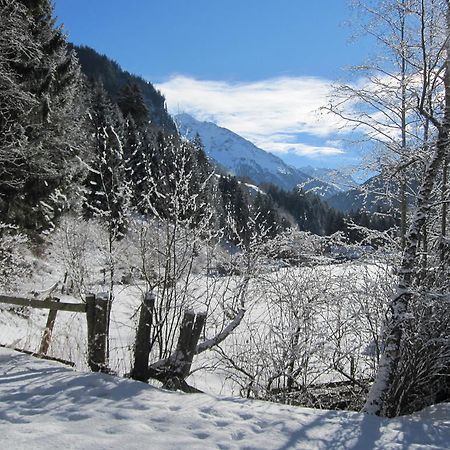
236, 215
267, 219
135, 148
203, 183
16, 47
51, 127
107, 189
131, 103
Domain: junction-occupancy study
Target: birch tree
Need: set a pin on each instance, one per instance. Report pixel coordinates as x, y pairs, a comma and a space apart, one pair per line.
381, 105
382, 399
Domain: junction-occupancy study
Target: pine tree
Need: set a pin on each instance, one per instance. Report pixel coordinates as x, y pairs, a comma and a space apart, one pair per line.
50, 129
131, 103
107, 191
16, 47
236, 215
267, 220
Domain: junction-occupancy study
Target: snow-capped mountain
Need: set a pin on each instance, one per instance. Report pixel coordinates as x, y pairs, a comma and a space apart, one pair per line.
238, 156
341, 180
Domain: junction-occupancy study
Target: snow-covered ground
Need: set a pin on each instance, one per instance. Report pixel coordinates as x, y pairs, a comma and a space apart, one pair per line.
47, 405
301, 296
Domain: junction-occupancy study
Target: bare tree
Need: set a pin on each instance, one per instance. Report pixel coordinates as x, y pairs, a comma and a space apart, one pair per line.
381, 399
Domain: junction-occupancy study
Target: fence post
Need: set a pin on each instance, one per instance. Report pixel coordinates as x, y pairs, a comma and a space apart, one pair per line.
90, 318
142, 344
193, 340
97, 311
47, 336
185, 333
190, 330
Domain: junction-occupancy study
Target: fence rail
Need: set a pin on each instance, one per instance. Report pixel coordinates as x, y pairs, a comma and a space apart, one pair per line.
44, 304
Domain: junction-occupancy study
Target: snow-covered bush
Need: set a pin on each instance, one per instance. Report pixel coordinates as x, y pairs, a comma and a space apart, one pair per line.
13, 264
309, 326
75, 245
296, 247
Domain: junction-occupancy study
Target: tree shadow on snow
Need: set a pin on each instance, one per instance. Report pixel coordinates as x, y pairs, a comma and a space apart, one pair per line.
334, 430
39, 389
364, 432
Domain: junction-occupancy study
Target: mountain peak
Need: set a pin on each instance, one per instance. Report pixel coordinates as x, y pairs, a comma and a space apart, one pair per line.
242, 158
238, 155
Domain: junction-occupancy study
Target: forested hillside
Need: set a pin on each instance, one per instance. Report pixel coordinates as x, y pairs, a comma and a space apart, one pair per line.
87, 137
98, 67
169, 269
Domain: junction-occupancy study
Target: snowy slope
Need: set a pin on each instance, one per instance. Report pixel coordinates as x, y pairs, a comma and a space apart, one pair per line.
339, 179
44, 405
242, 158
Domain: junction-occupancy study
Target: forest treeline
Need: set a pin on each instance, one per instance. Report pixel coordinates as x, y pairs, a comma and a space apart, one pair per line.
79, 133
97, 142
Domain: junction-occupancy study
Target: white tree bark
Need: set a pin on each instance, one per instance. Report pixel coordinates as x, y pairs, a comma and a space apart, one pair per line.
378, 401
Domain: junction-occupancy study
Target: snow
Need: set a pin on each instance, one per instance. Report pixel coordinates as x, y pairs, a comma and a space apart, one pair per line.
47, 405
24, 328
239, 156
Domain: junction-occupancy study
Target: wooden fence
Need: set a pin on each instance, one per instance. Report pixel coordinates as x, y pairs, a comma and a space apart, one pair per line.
96, 308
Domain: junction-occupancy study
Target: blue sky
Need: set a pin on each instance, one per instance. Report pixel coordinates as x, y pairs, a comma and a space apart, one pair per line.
262, 68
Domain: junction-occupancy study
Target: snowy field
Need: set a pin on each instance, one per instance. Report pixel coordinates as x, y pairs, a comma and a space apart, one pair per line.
318, 299
44, 405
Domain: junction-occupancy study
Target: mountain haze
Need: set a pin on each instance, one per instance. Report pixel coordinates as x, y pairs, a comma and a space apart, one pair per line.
341, 180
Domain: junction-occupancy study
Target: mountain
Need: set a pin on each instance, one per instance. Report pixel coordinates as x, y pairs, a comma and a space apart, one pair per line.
238, 156
339, 179
354, 199
372, 196
99, 67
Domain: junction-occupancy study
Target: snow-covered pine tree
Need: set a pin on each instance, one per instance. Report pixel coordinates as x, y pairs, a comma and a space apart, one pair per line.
52, 128
107, 192
236, 214
16, 47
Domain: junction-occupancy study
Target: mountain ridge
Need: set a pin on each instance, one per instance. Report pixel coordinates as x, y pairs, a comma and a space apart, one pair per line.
242, 158
96, 66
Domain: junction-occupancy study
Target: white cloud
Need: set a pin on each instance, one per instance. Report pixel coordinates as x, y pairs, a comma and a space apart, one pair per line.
271, 113
301, 149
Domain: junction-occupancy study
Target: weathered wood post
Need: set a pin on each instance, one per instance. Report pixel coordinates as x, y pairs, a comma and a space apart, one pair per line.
190, 330
193, 341
47, 336
183, 343
174, 370
102, 309
142, 344
97, 309
90, 318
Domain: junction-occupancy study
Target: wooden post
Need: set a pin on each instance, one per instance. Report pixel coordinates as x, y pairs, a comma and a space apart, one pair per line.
183, 342
90, 318
193, 341
178, 366
47, 336
191, 328
142, 344
101, 330
97, 309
